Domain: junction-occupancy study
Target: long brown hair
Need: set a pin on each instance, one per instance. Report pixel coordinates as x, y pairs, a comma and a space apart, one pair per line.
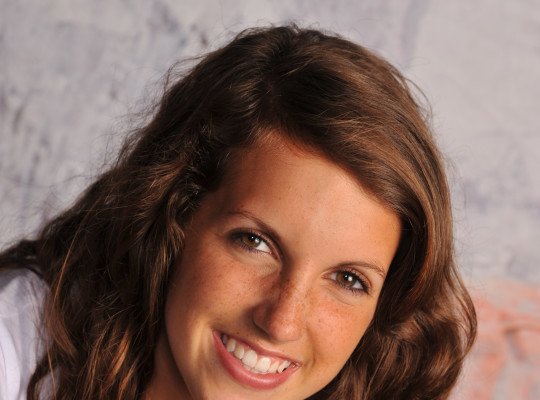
108, 259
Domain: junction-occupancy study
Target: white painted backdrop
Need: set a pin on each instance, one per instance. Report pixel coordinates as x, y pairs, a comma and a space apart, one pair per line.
72, 72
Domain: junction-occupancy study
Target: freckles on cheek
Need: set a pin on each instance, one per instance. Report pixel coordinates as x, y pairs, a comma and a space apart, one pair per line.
216, 283
342, 327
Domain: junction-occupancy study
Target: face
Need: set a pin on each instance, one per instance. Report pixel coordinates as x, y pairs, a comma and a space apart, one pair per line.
279, 279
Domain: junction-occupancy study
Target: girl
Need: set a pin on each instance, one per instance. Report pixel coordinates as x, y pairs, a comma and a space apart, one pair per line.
281, 229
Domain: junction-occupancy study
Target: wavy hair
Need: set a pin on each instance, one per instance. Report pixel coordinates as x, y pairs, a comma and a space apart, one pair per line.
108, 259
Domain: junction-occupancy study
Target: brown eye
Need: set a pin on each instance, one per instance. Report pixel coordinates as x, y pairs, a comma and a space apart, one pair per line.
346, 278
252, 242
349, 280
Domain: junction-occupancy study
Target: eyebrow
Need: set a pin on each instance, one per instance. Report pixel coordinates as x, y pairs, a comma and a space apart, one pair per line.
374, 267
274, 236
246, 214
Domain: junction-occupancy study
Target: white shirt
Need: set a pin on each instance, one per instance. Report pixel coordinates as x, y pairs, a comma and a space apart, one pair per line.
21, 297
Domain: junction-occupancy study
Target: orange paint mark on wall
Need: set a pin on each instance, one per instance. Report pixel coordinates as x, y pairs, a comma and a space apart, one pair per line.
505, 361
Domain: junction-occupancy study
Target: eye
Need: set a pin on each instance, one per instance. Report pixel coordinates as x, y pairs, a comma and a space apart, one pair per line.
350, 281
252, 242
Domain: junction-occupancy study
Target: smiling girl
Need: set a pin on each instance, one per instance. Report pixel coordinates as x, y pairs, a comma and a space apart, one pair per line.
281, 229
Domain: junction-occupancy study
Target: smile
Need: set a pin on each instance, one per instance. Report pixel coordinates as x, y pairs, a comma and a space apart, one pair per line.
252, 361
252, 366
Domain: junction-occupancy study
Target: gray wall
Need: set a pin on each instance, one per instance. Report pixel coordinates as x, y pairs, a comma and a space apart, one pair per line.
71, 72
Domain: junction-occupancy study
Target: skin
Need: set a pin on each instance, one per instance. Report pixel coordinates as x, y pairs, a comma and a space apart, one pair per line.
267, 257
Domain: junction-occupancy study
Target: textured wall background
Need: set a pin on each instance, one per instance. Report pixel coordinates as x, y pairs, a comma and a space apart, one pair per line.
72, 70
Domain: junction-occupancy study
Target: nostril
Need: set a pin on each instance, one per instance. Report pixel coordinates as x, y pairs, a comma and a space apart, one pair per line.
282, 319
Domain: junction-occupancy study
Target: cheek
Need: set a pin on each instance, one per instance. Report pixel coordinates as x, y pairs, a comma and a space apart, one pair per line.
339, 328
213, 282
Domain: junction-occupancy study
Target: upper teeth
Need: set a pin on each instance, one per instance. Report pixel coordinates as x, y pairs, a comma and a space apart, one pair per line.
251, 360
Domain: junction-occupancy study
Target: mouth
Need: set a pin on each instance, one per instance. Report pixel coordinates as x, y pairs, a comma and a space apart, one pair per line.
251, 360
252, 366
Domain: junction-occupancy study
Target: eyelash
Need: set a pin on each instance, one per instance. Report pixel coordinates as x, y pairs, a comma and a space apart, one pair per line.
237, 238
356, 291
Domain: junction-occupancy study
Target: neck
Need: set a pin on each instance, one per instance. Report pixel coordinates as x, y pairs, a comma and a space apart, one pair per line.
166, 382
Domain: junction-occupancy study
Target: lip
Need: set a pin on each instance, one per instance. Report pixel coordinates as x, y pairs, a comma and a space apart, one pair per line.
256, 381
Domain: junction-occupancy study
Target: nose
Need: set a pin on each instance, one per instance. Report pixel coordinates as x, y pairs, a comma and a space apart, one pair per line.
282, 313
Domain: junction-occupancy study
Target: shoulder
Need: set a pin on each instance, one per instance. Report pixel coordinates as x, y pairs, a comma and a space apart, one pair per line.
21, 297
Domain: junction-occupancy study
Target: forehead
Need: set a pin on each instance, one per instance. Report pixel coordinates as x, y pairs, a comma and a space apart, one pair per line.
284, 167
274, 151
